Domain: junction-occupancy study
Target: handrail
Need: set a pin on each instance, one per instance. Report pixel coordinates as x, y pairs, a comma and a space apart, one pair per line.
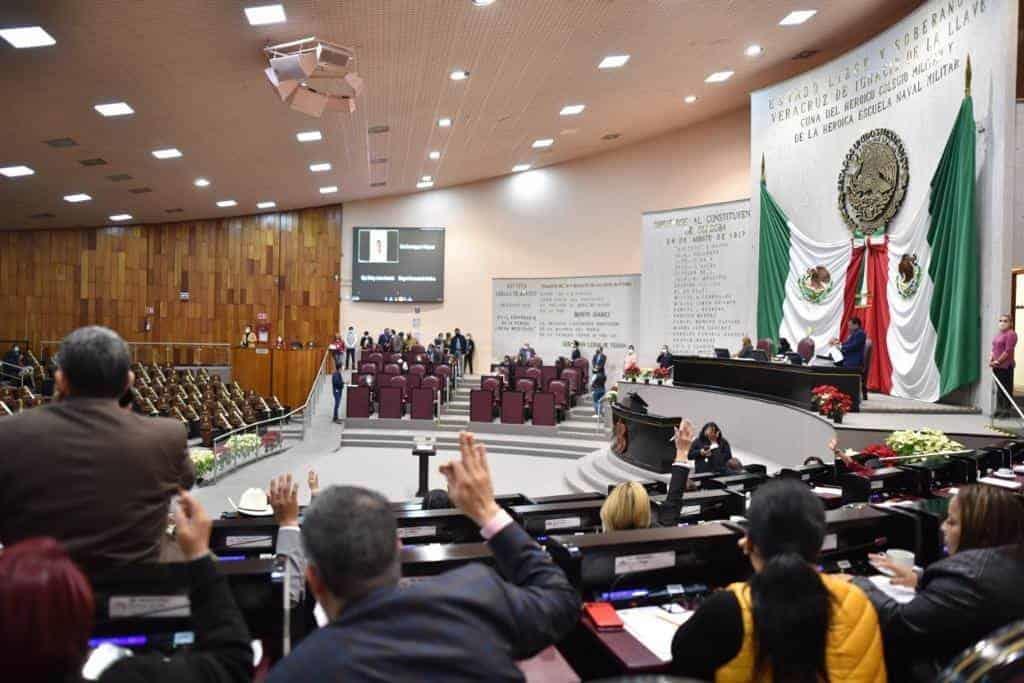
1008, 395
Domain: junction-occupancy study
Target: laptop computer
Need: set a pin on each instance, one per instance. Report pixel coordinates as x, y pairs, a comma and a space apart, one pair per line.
721, 353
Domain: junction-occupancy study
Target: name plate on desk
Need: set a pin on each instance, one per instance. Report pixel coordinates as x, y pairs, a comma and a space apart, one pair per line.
689, 510
149, 606
877, 485
249, 542
416, 531
629, 564
262, 352
563, 523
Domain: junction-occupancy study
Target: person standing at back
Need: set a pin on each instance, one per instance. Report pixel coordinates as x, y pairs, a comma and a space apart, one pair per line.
468, 624
338, 387
575, 355
599, 359
788, 622
82, 470
598, 389
470, 350
366, 342
458, 349
665, 358
350, 347
1002, 361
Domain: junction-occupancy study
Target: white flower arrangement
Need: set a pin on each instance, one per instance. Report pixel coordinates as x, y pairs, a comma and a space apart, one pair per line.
913, 442
202, 460
243, 444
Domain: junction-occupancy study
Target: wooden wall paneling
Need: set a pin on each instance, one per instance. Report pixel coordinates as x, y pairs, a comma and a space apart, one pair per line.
310, 258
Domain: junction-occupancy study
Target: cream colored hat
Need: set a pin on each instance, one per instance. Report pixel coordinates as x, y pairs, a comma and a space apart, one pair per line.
254, 503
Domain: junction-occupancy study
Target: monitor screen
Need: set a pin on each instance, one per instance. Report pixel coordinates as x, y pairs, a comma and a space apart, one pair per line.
398, 265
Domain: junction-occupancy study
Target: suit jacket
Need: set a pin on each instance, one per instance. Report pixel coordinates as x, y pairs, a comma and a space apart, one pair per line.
337, 381
458, 344
668, 514
223, 653
468, 624
599, 360
716, 459
366, 343
94, 476
853, 349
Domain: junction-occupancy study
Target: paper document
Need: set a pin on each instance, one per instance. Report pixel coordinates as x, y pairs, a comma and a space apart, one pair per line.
1004, 483
900, 594
828, 490
654, 628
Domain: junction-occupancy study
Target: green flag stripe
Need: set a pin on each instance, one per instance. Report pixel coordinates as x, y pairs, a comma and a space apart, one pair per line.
772, 267
953, 236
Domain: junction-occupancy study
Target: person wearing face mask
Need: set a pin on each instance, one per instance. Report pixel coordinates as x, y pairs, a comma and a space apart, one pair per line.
630, 358
575, 355
959, 599
665, 358
248, 338
1001, 361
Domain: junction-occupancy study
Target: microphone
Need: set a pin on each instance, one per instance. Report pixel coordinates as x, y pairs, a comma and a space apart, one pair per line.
878, 543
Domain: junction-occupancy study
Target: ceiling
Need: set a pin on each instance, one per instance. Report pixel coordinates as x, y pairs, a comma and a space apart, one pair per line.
193, 72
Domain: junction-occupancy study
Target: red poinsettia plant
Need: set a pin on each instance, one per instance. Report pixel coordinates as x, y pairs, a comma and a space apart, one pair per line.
631, 371
878, 450
830, 401
661, 373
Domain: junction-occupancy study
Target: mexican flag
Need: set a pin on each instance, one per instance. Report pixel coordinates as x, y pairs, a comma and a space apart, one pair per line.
916, 291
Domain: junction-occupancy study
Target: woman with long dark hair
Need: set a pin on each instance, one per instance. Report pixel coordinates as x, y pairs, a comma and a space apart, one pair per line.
788, 622
710, 451
962, 598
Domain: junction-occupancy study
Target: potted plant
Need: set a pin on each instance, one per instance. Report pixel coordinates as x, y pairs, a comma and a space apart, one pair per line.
631, 372
660, 374
829, 401
921, 442
202, 461
645, 375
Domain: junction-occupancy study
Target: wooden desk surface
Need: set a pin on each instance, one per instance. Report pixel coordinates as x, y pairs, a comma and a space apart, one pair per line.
547, 666
629, 652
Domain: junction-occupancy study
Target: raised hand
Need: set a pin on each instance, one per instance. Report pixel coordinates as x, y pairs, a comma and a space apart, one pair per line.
192, 527
313, 480
833, 443
683, 438
284, 498
469, 481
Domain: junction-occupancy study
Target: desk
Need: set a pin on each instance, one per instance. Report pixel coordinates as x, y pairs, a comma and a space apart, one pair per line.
781, 381
547, 666
285, 373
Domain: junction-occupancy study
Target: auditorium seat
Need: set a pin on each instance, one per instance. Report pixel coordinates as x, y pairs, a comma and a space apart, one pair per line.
805, 347
377, 358
559, 390
513, 407
368, 368
536, 375
571, 377
547, 373
421, 405
543, 409
526, 387
417, 349
582, 366
444, 373
413, 381
535, 362
492, 384
402, 383
392, 369
357, 404
481, 405
395, 358
766, 346
390, 401
418, 369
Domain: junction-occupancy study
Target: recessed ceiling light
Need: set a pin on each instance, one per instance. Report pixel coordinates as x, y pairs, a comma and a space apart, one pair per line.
379, 129
797, 17
265, 14
309, 136
29, 36
611, 136
114, 109
753, 50
169, 153
572, 109
201, 182
458, 75
330, 189
427, 179
435, 155
16, 171
719, 76
266, 205
543, 142
445, 122
613, 61
520, 167
424, 184
320, 167
690, 99
75, 198
483, 3
225, 203
121, 217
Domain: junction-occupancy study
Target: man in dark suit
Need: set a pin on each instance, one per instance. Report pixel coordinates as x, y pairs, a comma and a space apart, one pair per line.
458, 348
82, 470
470, 350
853, 347
599, 359
469, 624
366, 343
338, 387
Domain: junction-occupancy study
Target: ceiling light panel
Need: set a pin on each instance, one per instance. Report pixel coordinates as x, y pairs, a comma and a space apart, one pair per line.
330, 189
719, 77
78, 197
16, 171
753, 50
309, 136
690, 99
520, 167
434, 156
266, 205
28, 36
320, 167
227, 203
572, 109
444, 122
168, 153
121, 217
458, 75
201, 182
114, 109
542, 143
424, 184
613, 62
797, 17
265, 14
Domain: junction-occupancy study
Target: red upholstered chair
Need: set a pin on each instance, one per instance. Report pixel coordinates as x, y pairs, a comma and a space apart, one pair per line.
392, 369
543, 409
582, 366
421, 405
401, 382
417, 349
869, 346
368, 368
418, 369
481, 406
368, 380
431, 382
571, 377
493, 385
805, 347
560, 391
377, 358
526, 387
395, 358
364, 355
766, 346
357, 403
513, 408
535, 362
536, 375
503, 373
444, 373
391, 405
413, 381
547, 373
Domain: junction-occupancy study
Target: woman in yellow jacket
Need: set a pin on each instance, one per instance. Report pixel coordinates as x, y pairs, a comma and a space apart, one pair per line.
788, 622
